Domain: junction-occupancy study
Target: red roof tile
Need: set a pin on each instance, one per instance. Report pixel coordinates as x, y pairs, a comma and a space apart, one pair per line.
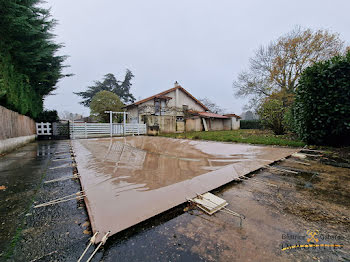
233, 115
212, 115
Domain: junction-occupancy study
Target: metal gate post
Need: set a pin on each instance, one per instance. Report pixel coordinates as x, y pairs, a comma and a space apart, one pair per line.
111, 121
124, 121
73, 130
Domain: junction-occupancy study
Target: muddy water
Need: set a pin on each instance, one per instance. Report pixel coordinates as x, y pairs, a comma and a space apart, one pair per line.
276, 204
128, 180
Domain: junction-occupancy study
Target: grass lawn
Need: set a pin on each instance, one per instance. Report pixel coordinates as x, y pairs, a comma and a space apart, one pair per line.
251, 136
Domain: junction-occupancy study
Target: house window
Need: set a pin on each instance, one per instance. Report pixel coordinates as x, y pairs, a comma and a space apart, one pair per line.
157, 107
162, 107
179, 119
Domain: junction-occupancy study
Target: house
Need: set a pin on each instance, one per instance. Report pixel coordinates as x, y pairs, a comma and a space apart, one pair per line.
87, 119
207, 121
176, 110
235, 121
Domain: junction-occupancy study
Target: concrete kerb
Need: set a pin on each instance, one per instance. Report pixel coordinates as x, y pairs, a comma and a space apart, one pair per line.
7, 145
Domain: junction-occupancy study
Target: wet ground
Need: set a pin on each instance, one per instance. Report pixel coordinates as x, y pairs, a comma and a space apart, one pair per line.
53, 233
279, 204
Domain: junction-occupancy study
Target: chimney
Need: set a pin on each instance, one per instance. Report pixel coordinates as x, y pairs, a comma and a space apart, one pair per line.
177, 101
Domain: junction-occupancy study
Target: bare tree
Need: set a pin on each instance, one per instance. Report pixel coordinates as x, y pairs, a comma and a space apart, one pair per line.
65, 115
249, 115
214, 108
278, 66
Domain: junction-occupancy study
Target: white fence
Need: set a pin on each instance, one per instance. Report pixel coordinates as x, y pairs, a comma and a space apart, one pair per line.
85, 130
133, 129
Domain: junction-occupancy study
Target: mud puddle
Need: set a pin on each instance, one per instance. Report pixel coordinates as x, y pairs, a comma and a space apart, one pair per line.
279, 207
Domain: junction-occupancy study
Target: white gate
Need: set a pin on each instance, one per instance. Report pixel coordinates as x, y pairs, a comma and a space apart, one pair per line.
43, 129
131, 129
118, 129
57, 130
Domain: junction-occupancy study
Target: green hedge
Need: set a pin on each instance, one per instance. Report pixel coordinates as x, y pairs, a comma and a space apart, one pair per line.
29, 65
251, 124
15, 91
322, 103
47, 116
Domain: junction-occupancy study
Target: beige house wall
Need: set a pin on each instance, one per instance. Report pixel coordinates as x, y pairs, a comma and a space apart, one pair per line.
167, 124
194, 124
227, 123
172, 101
180, 126
184, 99
215, 124
224, 124
133, 114
236, 123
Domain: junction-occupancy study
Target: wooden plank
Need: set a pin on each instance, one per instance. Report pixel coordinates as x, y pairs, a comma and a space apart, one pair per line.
205, 124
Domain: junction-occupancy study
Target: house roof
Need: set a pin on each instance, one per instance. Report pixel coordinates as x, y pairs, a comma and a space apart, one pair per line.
233, 115
208, 115
162, 94
164, 97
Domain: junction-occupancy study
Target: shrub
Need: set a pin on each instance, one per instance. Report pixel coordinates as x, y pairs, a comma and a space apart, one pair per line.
322, 102
47, 116
271, 113
288, 120
251, 124
105, 101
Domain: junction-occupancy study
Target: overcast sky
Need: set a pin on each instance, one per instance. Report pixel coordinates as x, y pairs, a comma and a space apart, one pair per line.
202, 44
